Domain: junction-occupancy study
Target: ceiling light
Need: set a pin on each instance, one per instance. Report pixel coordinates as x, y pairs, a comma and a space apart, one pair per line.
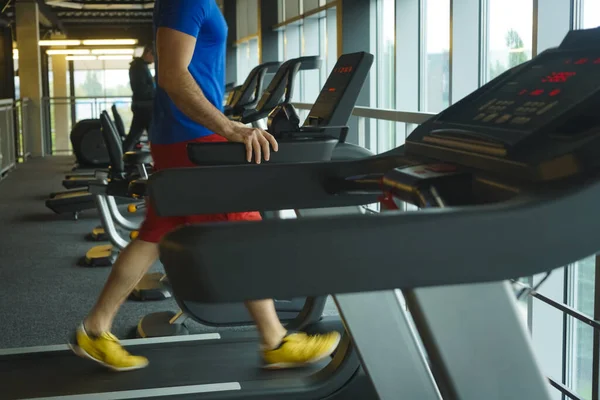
110, 42
59, 42
15, 54
65, 4
113, 51
124, 57
81, 58
67, 51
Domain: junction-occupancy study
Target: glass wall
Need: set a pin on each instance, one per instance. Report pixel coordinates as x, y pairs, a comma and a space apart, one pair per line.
415, 57
383, 81
509, 35
436, 57
590, 11
99, 84
314, 34
247, 58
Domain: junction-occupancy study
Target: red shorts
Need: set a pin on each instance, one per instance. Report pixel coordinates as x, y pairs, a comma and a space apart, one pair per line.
175, 156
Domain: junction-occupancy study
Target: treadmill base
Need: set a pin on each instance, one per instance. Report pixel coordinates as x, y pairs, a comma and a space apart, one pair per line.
161, 324
152, 287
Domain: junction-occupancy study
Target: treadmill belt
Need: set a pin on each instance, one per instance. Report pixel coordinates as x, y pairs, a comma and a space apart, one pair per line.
61, 373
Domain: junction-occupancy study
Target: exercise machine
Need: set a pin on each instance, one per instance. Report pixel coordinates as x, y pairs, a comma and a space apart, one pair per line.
329, 114
491, 181
129, 143
88, 146
248, 94
153, 286
505, 180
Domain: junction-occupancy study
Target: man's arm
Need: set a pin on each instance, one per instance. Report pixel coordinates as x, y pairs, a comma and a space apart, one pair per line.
175, 51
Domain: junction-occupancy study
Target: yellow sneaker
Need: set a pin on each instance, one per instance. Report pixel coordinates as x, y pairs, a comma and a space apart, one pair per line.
105, 350
300, 349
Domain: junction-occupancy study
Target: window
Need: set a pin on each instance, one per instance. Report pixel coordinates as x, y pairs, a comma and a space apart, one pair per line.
314, 35
383, 133
591, 13
581, 343
509, 35
435, 90
247, 58
99, 85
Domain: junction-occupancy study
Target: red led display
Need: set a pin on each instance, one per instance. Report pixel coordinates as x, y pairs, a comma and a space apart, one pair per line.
558, 77
597, 60
331, 89
523, 92
537, 92
343, 70
555, 92
582, 61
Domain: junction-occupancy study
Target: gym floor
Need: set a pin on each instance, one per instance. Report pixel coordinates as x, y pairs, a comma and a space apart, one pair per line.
44, 293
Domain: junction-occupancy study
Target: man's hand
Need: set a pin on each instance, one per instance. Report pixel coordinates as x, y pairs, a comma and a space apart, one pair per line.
256, 141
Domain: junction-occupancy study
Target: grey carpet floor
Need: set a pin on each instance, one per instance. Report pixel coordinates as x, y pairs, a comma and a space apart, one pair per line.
44, 294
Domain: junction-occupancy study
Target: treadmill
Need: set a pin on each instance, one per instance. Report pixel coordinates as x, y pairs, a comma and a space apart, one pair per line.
152, 286
211, 365
507, 181
520, 194
327, 119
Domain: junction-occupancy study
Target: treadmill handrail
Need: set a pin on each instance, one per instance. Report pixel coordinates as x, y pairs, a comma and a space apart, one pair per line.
344, 254
249, 92
265, 187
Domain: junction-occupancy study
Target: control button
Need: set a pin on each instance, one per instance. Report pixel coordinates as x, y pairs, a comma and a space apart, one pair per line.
520, 120
486, 105
521, 109
490, 117
503, 118
548, 107
479, 117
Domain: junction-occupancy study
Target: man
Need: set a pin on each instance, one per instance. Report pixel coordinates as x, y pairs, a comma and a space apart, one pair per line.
143, 88
191, 43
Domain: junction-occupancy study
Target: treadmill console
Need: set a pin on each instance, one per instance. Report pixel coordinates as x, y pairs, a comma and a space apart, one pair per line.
547, 87
338, 97
539, 120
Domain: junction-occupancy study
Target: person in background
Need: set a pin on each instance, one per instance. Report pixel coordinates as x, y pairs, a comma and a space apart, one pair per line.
143, 87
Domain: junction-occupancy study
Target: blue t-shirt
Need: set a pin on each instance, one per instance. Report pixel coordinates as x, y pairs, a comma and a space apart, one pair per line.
203, 20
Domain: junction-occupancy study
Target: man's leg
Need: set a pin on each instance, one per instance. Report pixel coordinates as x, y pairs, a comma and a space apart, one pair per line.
281, 349
131, 265
267, 322
93, 339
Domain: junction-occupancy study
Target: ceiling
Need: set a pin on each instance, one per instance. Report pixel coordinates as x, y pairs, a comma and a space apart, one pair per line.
88, 19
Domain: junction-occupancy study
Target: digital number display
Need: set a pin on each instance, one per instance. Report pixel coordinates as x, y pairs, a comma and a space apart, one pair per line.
335, 86
558, 77
343, 70
541, 91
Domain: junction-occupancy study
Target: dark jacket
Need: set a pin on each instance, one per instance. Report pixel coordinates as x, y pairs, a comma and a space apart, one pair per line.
142, 83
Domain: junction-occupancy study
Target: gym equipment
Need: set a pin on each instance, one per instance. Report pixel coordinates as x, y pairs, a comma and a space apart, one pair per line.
88, 145
154, 286
247, 95
89, 148
330, 121
98, 234
513, 168
113, 185
516, 176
